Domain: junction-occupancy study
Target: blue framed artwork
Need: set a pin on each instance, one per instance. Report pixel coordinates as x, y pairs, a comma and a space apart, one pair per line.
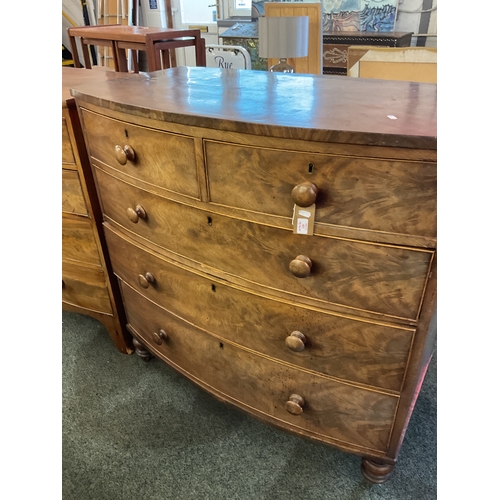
378, 15
341, 15
359, 15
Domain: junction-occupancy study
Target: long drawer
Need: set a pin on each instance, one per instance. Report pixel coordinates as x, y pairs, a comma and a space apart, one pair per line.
160, 158
366, 193
85, 287
68, 157
383, 279
73, 201
331, 409
358, 351
78, 241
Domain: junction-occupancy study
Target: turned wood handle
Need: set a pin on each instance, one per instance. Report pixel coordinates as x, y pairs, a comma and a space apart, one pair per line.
134, 214
160, 336
124, 154
301, 266
304, 194
296, 341
146, 279
295, 404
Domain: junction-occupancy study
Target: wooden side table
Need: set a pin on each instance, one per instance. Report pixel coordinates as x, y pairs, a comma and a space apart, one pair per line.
336, 43
156, 42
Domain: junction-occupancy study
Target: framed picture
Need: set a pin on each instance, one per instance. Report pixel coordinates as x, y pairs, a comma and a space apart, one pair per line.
378, 15
341, 15
359, 15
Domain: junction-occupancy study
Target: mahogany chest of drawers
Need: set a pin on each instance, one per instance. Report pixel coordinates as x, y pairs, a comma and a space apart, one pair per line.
87, 286
199, 171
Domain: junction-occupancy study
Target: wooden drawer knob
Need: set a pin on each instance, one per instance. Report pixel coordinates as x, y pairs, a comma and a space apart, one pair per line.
295, 404
296, 341
146, 279
134, 214
160, 336
124, 154
304, 194
301, 266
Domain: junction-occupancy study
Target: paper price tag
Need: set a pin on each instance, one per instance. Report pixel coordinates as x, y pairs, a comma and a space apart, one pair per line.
303, 219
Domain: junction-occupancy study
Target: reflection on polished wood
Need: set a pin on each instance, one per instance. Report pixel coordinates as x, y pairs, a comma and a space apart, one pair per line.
310, 107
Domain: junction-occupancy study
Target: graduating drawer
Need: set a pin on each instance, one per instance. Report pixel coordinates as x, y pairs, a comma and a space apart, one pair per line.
379, 278
73, 201
365, 193
68, 158
158, 158
78, 241
354, 350
85, 287
330, 409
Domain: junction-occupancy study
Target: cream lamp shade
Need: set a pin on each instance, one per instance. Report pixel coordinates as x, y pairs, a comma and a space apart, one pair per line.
283, 37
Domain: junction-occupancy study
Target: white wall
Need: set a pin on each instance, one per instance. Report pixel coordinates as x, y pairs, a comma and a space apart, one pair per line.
411, 21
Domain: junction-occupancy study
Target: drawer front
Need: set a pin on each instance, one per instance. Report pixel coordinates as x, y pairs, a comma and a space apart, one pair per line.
352, 350
331, 409
383, 279
73, 201
85, 287
68, 157
159, 158
78, 242
365, 193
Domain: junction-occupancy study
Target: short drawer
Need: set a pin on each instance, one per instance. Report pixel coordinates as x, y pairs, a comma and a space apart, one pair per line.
85, 287
78, 242
73, 201
365, 193
68, 157
332, 409
349, 349
159, 158
379, 278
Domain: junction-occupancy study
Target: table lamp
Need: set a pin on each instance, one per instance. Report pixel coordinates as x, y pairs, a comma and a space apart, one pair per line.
283, 37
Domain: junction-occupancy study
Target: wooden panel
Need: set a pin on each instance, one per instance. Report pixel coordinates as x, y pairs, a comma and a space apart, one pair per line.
68, 157
413, 64
313, 63
383, 279
409, 72
359, 351
78, 242
334, 55
85, 287
366, 193
166, 160
339, 411
73, 201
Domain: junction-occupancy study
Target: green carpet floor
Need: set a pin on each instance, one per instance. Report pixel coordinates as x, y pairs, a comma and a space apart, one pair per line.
134, 430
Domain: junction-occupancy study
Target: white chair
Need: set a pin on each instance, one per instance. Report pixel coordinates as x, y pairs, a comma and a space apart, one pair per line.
227, 57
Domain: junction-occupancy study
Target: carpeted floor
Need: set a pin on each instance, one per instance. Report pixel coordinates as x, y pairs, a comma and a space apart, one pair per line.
134, 430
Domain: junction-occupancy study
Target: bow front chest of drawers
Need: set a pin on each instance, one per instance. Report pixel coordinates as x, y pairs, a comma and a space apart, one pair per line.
327, 335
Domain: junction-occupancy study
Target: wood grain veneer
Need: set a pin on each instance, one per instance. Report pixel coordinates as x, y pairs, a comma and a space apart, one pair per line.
325, 335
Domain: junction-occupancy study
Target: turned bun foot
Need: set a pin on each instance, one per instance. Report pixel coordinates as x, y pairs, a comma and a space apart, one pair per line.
141, 351
376, 472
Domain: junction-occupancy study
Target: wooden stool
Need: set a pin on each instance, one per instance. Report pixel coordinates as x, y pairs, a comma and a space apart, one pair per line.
156, 42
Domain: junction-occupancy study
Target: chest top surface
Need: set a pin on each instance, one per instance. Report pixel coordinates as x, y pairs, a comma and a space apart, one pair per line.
312, 107
72, 77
